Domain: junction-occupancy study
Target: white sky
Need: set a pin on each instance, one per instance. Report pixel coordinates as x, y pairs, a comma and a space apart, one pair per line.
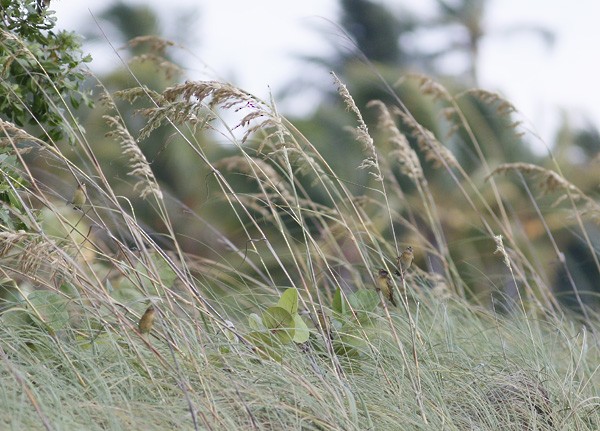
254, 45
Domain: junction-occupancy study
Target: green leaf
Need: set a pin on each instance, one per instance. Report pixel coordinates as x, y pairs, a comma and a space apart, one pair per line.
264, 343
16, 316
289, 300
166, 273
259, 338
339, 303
255, 322
301, 333
364, 300
280, 322
277, 318
349, 345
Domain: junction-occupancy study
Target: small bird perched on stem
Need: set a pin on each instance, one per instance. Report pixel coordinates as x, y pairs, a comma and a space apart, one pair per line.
404, 261
147, 320
384, 283
79, 197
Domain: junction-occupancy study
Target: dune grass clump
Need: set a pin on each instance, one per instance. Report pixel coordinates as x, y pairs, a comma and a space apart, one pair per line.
252, 303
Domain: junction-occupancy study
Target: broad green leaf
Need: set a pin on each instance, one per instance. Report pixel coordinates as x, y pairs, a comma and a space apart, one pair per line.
364, 300
301, 334
339, 303
289, 300
255, 322
264, 344
16, 316
344, 349
259, 338
349, 345
277, 318
365, 318
280, 322
165, 272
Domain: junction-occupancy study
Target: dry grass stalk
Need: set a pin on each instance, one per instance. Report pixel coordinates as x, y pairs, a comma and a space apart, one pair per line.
213, 93
403, 152
553, 182
192, 103
503, 106
156, 43
361, 132
11, 134
140, 168
157, 46
170, 69
432, 88
30, 256
433, 150
550, 180
9, 240
500, 249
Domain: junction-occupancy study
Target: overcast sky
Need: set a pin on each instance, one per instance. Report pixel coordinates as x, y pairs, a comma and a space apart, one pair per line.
256, 44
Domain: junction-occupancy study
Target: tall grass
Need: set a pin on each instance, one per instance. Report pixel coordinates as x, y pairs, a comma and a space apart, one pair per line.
77, 282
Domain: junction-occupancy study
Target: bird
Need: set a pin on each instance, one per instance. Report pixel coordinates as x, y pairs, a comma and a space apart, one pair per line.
384, 283
79, 197
404, 261
147, 320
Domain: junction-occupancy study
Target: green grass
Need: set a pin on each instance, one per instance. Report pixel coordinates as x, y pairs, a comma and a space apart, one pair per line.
472, 370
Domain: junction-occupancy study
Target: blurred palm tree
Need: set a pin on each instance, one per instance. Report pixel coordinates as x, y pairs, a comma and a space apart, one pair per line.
462, 24
129, 21
376, 33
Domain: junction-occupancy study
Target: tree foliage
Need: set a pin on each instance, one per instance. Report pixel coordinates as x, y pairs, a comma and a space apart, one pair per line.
41, 71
